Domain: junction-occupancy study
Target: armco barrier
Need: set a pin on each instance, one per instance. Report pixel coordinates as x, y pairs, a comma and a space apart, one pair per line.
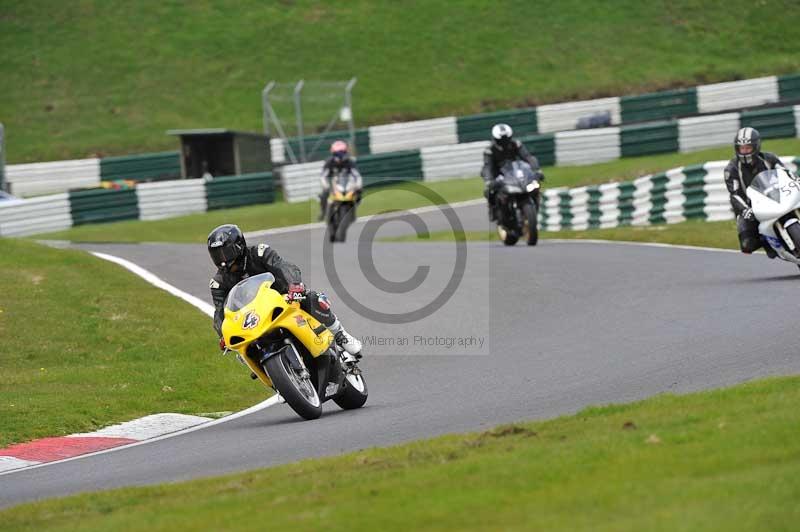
412, 135
58, 176
707, 131
477, 127
144, 167
103, 205
774, 123
690, 192
737, 94
236, 191
445, 162
658, 105
36, 215
565, 116
166, 199
646, 139
302, 181
789, 87
588, 146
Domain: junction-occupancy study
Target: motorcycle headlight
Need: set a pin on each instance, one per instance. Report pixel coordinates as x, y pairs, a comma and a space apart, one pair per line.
533, 185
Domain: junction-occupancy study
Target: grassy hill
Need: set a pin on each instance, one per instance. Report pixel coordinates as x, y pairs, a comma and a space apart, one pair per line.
109, 77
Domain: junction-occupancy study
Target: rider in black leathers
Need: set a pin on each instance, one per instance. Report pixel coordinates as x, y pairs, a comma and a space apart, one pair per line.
339, 162
747, 162
504, 148
236, 261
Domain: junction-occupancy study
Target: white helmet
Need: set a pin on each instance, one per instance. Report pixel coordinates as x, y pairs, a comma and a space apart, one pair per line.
502, 133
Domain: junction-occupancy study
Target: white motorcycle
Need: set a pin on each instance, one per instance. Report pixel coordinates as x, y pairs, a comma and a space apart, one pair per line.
775, 200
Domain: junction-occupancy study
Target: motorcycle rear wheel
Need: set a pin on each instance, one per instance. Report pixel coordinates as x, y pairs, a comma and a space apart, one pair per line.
794, 234
299, 393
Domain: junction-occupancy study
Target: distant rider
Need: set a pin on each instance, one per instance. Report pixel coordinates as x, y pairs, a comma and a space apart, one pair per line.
504, 148
236, 261
747, 162
339, 162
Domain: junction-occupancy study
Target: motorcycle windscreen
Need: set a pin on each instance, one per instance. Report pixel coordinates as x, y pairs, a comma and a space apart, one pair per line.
244, 292
768, 184
517, 173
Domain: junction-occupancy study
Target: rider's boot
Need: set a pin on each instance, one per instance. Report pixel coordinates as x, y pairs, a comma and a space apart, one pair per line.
350, 344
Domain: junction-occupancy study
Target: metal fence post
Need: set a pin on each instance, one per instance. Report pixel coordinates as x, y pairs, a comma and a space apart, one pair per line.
265, 105
298, 111
2, 157
348, 101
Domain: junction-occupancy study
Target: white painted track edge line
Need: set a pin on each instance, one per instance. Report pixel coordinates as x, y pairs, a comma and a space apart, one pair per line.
632, 243
206, 308
275, 399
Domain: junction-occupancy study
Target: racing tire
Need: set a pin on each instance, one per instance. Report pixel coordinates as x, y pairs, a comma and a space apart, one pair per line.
300, 394
794, 234
530, 217
354, 393
345, 219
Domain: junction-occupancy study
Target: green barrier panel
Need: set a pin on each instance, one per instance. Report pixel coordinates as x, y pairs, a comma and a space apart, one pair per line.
593, 204
772, 123
659, 105
103, 205
318, 146
625, 203
693, 191
658, 198
543, 147
645, 139
564, 209
479, 127
402, 165
789, 87
142, 167
236, 191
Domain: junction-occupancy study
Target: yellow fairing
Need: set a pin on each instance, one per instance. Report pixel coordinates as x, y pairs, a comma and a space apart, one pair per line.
338, 196
243, 327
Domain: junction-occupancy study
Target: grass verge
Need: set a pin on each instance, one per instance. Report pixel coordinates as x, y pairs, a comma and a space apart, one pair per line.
689, 233
85, 344
112, 76
724, 460
195, 227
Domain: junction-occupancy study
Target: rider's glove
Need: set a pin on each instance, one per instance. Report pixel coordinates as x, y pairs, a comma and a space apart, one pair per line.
222, 344
539, 176
296, 292
747, 215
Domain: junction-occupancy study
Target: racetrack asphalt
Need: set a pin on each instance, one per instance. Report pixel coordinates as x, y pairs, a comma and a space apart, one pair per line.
565, 324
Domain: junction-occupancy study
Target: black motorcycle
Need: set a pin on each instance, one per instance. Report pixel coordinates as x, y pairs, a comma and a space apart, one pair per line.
517, 205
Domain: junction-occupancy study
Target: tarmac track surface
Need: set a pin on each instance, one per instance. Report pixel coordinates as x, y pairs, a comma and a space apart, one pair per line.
565, 325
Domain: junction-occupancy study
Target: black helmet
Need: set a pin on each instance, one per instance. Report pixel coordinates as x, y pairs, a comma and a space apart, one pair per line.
502, 134
747, 144
226, 245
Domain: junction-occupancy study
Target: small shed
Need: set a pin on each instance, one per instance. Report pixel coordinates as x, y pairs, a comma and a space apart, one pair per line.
222, 152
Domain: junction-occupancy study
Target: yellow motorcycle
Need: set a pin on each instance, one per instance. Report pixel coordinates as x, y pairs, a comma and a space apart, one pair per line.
288, 350
344, 196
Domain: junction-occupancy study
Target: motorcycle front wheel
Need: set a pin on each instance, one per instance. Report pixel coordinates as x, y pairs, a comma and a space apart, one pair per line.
530, 219
346, 215
354, 394
298, 391
794, 234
